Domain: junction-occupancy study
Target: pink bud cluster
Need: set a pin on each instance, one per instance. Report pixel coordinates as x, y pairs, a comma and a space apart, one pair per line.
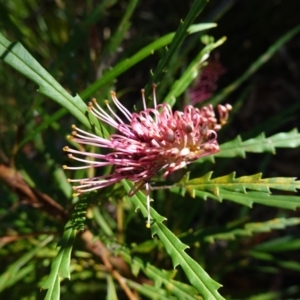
207, 82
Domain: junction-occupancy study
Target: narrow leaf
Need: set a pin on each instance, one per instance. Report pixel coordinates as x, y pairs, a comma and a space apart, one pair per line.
162, 277
291, 265
247, 199
281, 201
282, 244
191, 72
15, 270
206, 286
251, 228
179, 37
20, 59
259, 144
255, 66
151, 292
129, 62
60, 267
241, 184
53, 293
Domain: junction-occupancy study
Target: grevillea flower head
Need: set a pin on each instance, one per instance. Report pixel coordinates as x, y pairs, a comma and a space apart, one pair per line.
207, 82
155, 139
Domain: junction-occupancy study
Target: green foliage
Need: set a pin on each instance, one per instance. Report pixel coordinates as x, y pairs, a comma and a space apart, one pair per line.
161, 278
191, 72
176, 249
249, 229
256, 65
60, 267
18, 269
241, 184
180, 35
139, 56
56, 246
259, 144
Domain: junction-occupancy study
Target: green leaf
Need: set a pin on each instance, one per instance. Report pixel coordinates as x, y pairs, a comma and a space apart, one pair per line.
291, 265
120, 32
241, 184
177, 288
60, 267
251, 228
201, 27
150, 291
127, 63
44, 125
79, 215
101, 221
162, 277
111, 289
281, 201
80, 30
191, 72
282, 244
19, 58
176, 249
274, 295
234, 189
259, 144
54, 291
181, 34
15, 272
255, 66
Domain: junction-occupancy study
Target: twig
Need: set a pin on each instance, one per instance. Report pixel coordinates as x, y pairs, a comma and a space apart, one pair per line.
98, 249
14, 180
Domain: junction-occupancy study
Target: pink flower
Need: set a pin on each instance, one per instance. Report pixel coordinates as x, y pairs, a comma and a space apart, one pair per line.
206, 84
155, 139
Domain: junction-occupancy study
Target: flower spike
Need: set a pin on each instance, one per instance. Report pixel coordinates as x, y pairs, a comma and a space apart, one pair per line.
155, 139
